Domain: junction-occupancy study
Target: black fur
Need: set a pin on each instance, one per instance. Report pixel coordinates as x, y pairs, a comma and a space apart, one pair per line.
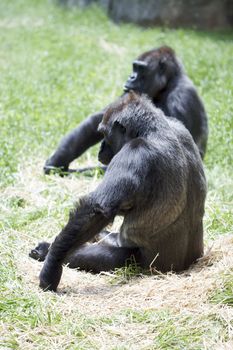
160, 75
155, 179
163, 79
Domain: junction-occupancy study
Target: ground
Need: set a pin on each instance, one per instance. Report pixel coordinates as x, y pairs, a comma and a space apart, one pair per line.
56, 67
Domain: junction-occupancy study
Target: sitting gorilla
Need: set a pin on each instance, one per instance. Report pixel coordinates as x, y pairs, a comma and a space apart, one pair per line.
159, 75
155, 179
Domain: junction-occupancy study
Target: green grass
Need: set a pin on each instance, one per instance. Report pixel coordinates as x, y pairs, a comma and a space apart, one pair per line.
224, 295
56, 67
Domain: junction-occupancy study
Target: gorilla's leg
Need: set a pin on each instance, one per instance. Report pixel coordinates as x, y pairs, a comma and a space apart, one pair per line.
93, 257
98, 257
104, 238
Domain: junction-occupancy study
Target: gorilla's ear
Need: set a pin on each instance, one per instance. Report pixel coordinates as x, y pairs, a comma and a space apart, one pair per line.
119, 127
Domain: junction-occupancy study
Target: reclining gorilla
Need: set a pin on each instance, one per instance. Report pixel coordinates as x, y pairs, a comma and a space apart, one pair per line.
159, 74
155, 179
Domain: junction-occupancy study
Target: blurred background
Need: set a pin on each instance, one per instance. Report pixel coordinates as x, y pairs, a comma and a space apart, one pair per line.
202, 14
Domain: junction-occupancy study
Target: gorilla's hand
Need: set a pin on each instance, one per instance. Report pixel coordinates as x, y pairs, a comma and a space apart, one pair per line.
50, 277
55, 166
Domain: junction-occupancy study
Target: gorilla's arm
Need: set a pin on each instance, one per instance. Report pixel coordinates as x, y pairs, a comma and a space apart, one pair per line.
184, 104
75, 143
94, 212
84, 222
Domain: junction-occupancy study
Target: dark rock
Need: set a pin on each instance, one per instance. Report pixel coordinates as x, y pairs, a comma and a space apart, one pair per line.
203, 14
